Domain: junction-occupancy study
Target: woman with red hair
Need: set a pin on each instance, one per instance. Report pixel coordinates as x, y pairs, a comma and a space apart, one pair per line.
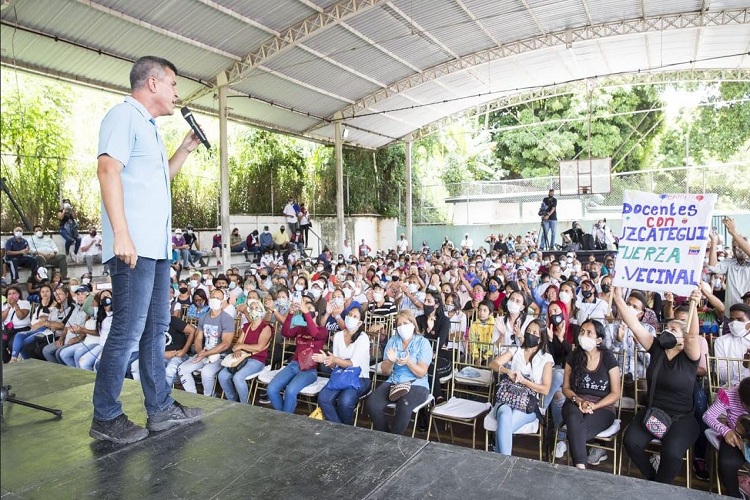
543, 296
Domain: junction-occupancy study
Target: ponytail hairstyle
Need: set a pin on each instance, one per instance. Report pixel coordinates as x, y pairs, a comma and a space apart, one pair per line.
578, 368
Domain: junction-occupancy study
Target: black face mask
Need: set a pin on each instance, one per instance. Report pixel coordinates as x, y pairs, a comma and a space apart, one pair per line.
557, 319
530, 340
667, 340
593, 274
606, 288
428, 310
183, 290
586, 294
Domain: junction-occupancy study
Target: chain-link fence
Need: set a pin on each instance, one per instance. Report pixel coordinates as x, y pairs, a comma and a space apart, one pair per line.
731, 181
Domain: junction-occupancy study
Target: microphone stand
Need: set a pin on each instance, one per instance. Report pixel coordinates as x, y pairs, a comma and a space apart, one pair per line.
6, 395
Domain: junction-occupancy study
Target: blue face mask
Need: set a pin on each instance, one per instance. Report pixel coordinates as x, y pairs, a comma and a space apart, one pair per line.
493, 288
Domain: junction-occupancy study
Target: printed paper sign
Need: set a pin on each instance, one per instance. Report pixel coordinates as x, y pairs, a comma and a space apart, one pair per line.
663, 241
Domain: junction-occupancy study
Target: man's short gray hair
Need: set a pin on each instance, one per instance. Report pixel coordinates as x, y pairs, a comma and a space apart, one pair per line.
146, 67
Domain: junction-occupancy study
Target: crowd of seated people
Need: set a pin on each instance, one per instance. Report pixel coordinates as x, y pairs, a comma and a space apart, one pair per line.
382, 328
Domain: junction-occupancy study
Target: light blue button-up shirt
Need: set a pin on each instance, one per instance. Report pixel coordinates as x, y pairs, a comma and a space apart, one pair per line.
128, 134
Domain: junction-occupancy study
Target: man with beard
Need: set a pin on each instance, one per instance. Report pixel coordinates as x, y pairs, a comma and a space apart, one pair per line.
737, 269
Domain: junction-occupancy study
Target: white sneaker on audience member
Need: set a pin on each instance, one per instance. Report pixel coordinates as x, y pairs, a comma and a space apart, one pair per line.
560, 449
655, 461
597, 456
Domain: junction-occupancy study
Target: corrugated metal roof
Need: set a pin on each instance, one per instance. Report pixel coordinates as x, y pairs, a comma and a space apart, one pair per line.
390, 66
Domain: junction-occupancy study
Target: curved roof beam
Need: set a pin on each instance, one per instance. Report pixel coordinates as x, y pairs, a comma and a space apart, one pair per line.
678, 76
556, 39
290, 37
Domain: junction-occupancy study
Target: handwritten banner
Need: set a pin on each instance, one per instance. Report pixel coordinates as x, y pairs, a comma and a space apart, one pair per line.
663, 241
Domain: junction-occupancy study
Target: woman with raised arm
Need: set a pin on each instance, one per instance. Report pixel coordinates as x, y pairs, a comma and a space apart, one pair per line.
671, 380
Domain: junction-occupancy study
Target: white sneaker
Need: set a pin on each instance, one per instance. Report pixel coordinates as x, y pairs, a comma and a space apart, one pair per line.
655, 461
560, 449
597, 456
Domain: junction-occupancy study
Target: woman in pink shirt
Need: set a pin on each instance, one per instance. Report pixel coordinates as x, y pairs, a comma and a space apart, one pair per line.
733, 404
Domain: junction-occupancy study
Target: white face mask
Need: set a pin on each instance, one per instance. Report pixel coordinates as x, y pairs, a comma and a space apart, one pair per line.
86, 281
316, 293
338, 301
586, 343
232, 285
565, 297
449, 308
413, 287
39, 234
193, 283
205, 276
18, 234
255, 314
299, 288
577, 268
737, 328
406, 331
214, 304
514, 308
347, 293
351, 323
377, 297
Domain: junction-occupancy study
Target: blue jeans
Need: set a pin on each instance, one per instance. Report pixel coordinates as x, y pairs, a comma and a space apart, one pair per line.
558, 374
68, 356
88, 359
22, 339
231, 381
549, 231
338, 406
183, 257
508, 422
140, 298
70, 241
291, 380
171, 367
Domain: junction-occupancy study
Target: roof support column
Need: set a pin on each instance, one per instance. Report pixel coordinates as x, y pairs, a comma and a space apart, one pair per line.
407, 173
339, 162
226, 250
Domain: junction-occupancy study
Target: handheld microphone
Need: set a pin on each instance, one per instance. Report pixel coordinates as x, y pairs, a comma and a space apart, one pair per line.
188, 115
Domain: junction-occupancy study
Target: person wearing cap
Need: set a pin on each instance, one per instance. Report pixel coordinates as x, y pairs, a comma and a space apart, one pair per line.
73, 329
213, 340
180, 245
34, 283
45, 250
300, 325
216, 245
194, 246
281, 239
18, 254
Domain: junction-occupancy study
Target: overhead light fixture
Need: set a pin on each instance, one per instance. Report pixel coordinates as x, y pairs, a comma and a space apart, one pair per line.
345, 133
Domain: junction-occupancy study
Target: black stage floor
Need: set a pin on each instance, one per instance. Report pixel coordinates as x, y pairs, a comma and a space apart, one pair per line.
241, 451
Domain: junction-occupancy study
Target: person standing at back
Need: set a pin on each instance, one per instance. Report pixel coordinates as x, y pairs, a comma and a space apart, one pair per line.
549, 221
132, 167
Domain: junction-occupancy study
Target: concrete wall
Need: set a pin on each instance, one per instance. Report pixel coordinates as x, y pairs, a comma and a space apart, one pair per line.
434, 234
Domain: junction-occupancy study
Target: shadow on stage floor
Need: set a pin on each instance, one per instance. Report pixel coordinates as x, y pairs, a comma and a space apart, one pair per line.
241, 451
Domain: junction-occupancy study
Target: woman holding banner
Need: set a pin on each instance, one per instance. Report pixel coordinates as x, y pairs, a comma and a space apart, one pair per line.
671, 379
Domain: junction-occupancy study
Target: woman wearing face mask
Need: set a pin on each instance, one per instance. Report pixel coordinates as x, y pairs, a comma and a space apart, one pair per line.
731, 406
530, 366
212, 342
436, 326
471, 307
567, 296
199, 307
300, 325
408, 357
495, 292
676, 353
508, 327
560, 335
87, 359
351, 348
253, 345
591, 389
183, 295
456, 317
589, 305
47, 311
333, 318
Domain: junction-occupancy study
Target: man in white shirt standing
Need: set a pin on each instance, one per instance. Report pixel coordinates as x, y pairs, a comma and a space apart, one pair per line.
91, 249
347, 250
402, 246
467, 244
291, 215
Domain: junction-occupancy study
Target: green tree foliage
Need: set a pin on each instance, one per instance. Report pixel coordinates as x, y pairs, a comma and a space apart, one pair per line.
35, 141
722, 127
603, 122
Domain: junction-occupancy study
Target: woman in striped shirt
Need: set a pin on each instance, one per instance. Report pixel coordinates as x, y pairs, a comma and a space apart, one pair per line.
733, 404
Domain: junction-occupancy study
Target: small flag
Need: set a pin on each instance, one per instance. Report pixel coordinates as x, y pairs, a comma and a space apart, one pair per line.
694, 250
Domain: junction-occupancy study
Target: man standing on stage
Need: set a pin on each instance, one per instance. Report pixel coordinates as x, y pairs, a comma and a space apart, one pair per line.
549, 221
134, 173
